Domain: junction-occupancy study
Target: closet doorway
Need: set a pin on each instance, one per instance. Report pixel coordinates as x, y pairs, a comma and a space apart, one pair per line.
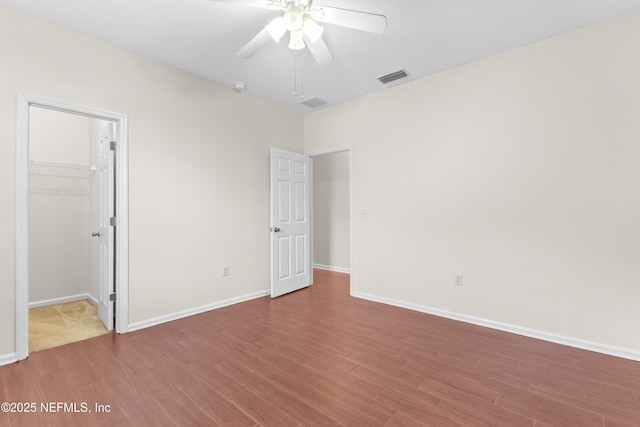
63, 217
332, 239
68, 185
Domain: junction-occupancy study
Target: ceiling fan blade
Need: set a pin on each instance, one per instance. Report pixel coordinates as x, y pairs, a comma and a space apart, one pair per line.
254, 45
319, 50
254, 3
357, 20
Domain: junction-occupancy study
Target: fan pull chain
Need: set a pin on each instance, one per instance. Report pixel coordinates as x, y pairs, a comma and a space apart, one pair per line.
295, 79
302, 81
295, 76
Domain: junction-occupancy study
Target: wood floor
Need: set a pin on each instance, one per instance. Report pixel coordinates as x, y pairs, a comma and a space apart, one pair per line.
320, 358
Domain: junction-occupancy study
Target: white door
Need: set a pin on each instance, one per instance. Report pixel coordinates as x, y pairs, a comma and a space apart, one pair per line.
106, 210
290, 222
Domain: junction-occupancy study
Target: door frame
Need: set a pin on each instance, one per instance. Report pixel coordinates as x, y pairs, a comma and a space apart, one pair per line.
325, 152
24, 102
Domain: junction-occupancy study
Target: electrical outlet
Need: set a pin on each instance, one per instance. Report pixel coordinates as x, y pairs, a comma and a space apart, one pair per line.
457, 280
225, 270
364, 213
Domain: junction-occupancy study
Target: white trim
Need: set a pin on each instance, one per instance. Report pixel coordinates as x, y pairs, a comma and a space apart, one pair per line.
332, 268
93, 300
7, 359
514, 329
23, 102
311, 217
197, 310
352, 239
335, 150
122, 230
22, 228
327, 151
63, 300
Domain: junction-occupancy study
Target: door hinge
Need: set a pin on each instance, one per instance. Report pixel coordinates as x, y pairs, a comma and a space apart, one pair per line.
112, 146
113, 221
112, 297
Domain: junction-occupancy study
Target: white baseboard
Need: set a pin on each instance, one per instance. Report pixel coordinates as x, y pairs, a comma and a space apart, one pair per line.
531, 333
93, 300
331, 268
63, 300
6, 359
193, 311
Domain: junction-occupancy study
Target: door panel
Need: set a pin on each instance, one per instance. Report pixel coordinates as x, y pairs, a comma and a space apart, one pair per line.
290, 222
300, 256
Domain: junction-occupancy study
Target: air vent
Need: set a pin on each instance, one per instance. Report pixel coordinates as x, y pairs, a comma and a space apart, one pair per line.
393, 76
314, 102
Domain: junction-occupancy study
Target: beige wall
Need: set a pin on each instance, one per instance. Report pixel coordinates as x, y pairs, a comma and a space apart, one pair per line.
198, 175
331, 246
520, 172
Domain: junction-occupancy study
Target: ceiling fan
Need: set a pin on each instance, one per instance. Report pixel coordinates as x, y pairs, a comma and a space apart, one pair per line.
300, 19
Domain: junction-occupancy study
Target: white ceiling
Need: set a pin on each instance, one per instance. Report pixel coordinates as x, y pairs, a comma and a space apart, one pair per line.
423, 37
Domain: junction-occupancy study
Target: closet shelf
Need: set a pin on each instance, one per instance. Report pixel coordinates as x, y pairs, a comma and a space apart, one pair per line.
67, 170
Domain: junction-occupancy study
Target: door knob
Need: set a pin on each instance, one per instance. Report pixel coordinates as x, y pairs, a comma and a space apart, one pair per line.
275, 230
95, 234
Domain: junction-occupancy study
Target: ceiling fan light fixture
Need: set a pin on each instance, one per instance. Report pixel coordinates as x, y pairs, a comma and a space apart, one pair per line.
294, 16
276, 29
312, 30
296, 42
304, 22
